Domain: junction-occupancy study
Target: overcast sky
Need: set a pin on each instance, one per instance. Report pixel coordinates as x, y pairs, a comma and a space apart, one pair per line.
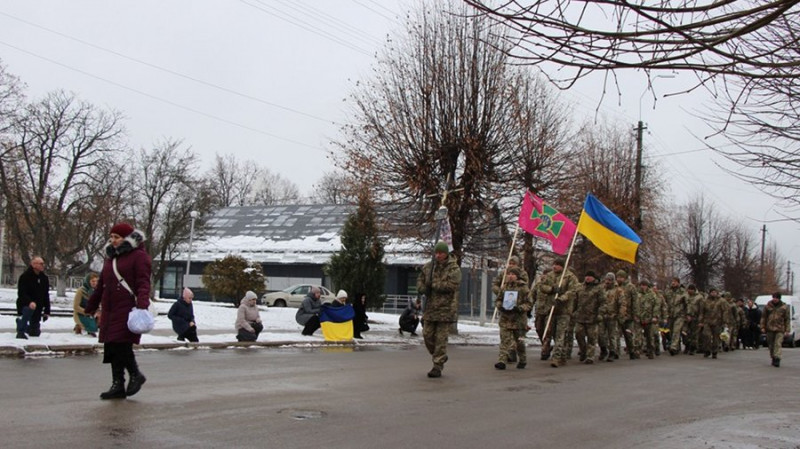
267, 80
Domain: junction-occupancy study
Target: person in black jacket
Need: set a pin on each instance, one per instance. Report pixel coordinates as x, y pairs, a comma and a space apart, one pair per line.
752, 335
33, 299
360, 320
409, 320
182, 315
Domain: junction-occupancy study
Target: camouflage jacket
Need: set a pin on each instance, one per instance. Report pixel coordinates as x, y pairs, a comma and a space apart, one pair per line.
590, 298
516, 319
547, 292
442, 299
693, 304
629, 302
499, 280
650, 306
610, 309
735, 316
712, 311
677, 302
776, 318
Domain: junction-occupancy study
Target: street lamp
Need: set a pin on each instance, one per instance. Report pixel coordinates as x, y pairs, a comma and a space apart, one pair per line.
194, 214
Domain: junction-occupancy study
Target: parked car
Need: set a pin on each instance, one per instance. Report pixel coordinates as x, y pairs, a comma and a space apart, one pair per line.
293, 296
793, 339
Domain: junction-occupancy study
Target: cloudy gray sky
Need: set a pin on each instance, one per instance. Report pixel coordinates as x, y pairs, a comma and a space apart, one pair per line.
267, 80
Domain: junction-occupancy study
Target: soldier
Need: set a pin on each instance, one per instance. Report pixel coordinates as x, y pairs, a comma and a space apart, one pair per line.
677, 314
498, 280
514, 304
629, 315
543, 301
775, 323
711, 317
736, 323
589, 299
441, 308
649, 316
608, 329
662, 331
563, 299
694, 299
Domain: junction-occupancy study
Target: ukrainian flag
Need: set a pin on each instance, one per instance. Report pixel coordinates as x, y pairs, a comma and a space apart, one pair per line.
608, 233
337, 322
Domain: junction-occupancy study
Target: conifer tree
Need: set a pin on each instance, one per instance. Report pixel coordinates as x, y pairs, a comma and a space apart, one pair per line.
358, 266
232, 277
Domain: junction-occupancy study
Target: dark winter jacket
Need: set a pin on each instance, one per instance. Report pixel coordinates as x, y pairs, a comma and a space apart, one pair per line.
311, 307
181, 314
134, 265
33, 287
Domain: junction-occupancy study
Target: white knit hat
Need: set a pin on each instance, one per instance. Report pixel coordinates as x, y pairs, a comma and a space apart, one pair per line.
249, 295
341, 294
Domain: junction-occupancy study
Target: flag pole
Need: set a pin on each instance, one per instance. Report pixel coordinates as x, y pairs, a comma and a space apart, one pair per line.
563, 272
505, 270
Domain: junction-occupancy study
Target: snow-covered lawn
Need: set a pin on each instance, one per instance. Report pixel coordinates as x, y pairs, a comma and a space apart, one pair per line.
215, 325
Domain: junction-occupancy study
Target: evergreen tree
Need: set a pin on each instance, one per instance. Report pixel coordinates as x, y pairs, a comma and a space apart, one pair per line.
358, 266
232, 277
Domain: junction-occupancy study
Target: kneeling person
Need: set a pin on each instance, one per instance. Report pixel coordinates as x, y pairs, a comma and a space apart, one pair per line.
182, 316
248, 319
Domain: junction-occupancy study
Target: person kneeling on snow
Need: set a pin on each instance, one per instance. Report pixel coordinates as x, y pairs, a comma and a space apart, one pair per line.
182, 315
248, 319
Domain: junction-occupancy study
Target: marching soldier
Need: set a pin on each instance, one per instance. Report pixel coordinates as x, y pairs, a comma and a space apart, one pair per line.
514, 304
590, 298
711, 316
694, 299
649, 316
629, 315
608, 329
775, 323
562, 308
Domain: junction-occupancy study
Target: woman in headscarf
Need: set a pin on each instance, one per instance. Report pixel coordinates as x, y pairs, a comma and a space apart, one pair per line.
82, 320
122, 286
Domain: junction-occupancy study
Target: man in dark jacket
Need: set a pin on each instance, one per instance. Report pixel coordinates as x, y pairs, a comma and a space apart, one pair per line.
182, 316
308, 313
33, 299
409, 320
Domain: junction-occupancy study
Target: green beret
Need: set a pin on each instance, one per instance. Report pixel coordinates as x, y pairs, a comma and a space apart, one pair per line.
441, 247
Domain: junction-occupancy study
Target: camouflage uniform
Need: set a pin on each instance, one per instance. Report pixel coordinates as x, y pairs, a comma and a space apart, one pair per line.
629, 315
711, 317
662, 338
677, 312
692, 328
608, 329
498, 280
543, 301
590, 297
441, 307
775, 322
735, 320
513, 323
649, 316
562, 314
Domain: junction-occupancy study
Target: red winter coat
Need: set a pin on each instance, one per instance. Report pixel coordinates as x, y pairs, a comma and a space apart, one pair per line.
133, 264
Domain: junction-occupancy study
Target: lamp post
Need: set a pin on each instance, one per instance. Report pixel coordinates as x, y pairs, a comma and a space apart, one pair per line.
194, 214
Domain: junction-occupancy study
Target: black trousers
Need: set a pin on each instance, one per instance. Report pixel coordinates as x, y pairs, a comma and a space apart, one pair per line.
311, 325
246, 335
190, 334
121, 357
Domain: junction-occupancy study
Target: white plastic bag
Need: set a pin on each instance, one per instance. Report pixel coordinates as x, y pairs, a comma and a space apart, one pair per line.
141, 321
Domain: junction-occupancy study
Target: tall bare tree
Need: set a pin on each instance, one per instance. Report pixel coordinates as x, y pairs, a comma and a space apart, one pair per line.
232, 181
740, 265
272, 189
11, 98
334, 188
59, 181
700, 236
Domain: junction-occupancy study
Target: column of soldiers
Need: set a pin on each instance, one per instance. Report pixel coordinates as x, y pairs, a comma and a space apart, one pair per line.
600, 314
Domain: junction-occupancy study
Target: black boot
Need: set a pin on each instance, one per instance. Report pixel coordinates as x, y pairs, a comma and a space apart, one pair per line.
137, 378
117, 390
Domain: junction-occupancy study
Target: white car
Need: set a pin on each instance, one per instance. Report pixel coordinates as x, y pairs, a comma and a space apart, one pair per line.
293, 296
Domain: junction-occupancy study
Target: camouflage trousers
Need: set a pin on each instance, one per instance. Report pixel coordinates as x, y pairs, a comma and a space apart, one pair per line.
540, 321
608, 335
562, 346
652, 338
512, 340
586, 333
570, 337
632, 331
692, 339
711, 337
677, 331
435, 334
734, 337
774, 341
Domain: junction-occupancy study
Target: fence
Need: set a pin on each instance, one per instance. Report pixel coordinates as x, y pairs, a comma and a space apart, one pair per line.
396, 303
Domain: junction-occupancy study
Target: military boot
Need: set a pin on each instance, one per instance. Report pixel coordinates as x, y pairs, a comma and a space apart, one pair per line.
776, 362
603, 354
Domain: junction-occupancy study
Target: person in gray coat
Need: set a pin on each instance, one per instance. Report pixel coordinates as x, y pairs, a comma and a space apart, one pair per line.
248, 320
308, 313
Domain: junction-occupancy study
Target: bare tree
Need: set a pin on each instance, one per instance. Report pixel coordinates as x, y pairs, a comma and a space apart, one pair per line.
274, 189
164, 192
334, 188
232, 182
59, 182
740, 264
11, 99
700, 236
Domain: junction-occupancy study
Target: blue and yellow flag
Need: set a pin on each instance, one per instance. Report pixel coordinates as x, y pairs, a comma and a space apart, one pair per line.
337, 322
608, 233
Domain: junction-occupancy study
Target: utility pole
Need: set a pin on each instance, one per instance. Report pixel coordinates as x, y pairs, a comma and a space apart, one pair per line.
637, 194
788, 276
761, 269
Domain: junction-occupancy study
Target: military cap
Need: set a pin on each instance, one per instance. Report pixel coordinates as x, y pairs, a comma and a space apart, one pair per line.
514, 260
560, 262
591, 273
713, 289
691, 287
622, 274
645, 282
611, 276
515, 271
726, 294
441, 247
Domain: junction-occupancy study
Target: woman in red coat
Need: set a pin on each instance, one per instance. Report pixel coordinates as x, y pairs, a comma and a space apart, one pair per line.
125, 245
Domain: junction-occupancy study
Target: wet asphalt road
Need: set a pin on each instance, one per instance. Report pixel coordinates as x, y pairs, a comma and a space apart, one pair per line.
380, 397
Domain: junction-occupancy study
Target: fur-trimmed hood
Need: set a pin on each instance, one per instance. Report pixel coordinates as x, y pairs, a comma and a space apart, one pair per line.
131, 242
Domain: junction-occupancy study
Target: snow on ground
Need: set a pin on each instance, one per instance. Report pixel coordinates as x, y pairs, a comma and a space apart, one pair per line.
215, 325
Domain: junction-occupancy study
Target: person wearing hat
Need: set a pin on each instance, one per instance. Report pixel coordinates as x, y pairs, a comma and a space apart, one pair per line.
562, 297
496, 284
694, 299
775, 323
440, 281
589, 300
514, 304
248, 318
608, 327
409, 319
182, 316
649, 316
124, 283
308, 313
631, 328
711, 319
340, 300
